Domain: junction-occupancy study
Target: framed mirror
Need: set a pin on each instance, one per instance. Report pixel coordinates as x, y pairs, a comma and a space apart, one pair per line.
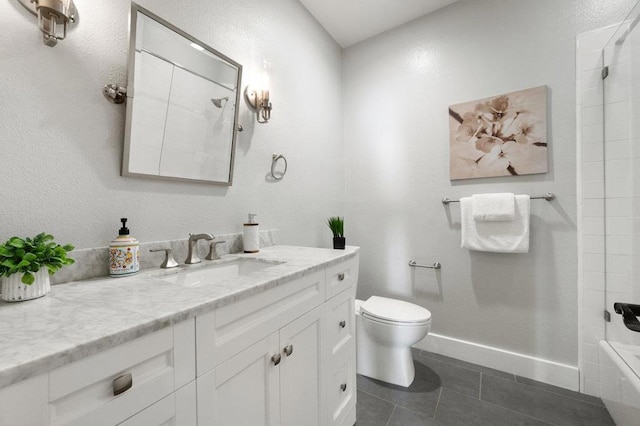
182, 105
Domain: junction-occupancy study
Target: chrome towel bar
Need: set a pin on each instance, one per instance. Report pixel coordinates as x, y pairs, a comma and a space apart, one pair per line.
548, 196
413, 264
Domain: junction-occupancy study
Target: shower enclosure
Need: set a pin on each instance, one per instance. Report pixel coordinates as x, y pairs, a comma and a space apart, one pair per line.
620, 352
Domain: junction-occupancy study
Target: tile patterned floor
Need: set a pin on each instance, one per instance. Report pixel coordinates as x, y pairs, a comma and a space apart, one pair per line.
450, 392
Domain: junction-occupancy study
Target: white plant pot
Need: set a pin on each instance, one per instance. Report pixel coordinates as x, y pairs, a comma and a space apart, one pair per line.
14, 290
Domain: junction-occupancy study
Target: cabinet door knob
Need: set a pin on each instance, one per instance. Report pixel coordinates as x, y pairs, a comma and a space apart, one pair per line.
122, 384
343, 387
276, 359
340, 277
288, 350
343, 324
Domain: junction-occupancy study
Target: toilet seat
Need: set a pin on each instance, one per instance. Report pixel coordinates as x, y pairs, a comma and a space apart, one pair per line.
394, 312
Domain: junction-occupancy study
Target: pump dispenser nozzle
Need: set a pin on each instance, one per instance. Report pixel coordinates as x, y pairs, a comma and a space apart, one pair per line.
124, 230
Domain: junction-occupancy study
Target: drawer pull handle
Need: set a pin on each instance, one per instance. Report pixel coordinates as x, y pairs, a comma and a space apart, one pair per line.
343, 324
122, 384
288, 350
343, 387
340, 277
276, 359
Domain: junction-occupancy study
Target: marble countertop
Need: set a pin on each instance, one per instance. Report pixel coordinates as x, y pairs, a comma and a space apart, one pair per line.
81, 318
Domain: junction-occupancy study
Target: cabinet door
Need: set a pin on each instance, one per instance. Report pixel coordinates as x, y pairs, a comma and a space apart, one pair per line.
301, 371
243, 390
226, 331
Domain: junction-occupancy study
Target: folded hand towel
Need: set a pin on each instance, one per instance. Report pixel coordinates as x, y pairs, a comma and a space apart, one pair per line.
493, 207
498, 237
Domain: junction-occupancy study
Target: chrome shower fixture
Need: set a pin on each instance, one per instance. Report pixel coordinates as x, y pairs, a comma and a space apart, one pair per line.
53, 17
218, 102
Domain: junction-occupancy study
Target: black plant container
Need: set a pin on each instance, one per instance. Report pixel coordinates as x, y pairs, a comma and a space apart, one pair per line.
339, 243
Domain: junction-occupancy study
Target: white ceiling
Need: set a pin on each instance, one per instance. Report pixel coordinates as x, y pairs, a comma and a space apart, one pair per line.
351, 21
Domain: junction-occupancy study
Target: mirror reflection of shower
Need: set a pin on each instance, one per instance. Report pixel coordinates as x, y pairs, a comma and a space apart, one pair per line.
218, 102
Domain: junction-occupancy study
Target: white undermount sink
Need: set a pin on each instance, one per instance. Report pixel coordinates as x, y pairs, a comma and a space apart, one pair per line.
198, 275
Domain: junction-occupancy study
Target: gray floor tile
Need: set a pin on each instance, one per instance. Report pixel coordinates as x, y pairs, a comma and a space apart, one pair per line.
541, 404
403, 417
455, 409
421, 397
451, 376
371, 411
561, 391
476, 367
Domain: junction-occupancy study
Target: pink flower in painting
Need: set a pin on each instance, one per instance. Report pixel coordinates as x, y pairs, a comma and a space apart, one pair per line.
498, 137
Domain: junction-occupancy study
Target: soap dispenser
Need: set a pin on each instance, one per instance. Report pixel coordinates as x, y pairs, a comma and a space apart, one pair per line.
123, 253
251, 235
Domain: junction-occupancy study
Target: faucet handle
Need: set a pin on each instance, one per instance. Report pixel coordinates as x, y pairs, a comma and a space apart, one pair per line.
213, 254
169, 261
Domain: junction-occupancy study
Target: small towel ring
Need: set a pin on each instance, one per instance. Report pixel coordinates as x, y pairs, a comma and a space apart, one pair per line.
274, 161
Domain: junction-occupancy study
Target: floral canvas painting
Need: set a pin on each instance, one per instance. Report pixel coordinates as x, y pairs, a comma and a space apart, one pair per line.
504, 135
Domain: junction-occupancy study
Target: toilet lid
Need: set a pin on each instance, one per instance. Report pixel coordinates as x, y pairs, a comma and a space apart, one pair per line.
392, 310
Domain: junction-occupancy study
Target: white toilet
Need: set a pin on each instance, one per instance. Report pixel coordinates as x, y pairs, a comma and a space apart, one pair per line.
385, 330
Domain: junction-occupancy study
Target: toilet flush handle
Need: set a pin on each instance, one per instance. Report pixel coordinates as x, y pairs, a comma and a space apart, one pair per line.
340, 277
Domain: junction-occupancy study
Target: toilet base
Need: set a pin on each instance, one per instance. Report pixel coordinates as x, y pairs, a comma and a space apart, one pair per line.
389, 364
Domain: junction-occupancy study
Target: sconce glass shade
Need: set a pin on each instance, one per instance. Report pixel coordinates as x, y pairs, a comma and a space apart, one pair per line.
259, 102
53, 17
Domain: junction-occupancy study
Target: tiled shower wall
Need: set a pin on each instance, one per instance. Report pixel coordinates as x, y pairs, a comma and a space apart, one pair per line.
606, 253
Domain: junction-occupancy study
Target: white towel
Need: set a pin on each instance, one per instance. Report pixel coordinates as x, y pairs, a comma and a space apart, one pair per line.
493, 207
497, 237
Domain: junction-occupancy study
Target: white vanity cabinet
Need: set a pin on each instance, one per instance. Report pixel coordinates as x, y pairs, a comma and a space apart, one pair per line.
282, 356
276, 381
111, 386
285, 356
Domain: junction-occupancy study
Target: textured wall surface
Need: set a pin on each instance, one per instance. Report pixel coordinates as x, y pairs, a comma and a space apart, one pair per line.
61, 141
397, 88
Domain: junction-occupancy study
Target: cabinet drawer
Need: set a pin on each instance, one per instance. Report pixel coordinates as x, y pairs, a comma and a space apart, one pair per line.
342, 276
339, 327
228, 330
342, 392
83, 392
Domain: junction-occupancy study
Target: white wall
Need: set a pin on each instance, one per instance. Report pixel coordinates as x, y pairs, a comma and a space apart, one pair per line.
61, 141
397, 88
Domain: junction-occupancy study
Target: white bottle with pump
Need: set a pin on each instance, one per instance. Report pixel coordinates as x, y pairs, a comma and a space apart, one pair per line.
251, 235
123, 253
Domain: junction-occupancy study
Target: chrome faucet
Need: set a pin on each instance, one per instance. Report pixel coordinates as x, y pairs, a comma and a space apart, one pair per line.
192, 257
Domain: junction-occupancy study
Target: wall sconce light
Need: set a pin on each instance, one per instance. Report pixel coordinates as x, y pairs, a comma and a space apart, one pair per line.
52, 15
258, 100
257, 97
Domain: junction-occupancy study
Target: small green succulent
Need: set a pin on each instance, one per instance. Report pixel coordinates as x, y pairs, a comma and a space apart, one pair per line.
30, 254
336, 224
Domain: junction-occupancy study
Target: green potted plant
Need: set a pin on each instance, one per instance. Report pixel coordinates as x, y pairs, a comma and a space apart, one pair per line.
25, 266
336, 224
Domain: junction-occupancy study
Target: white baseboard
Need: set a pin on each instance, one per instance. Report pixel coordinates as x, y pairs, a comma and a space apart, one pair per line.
542, 370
